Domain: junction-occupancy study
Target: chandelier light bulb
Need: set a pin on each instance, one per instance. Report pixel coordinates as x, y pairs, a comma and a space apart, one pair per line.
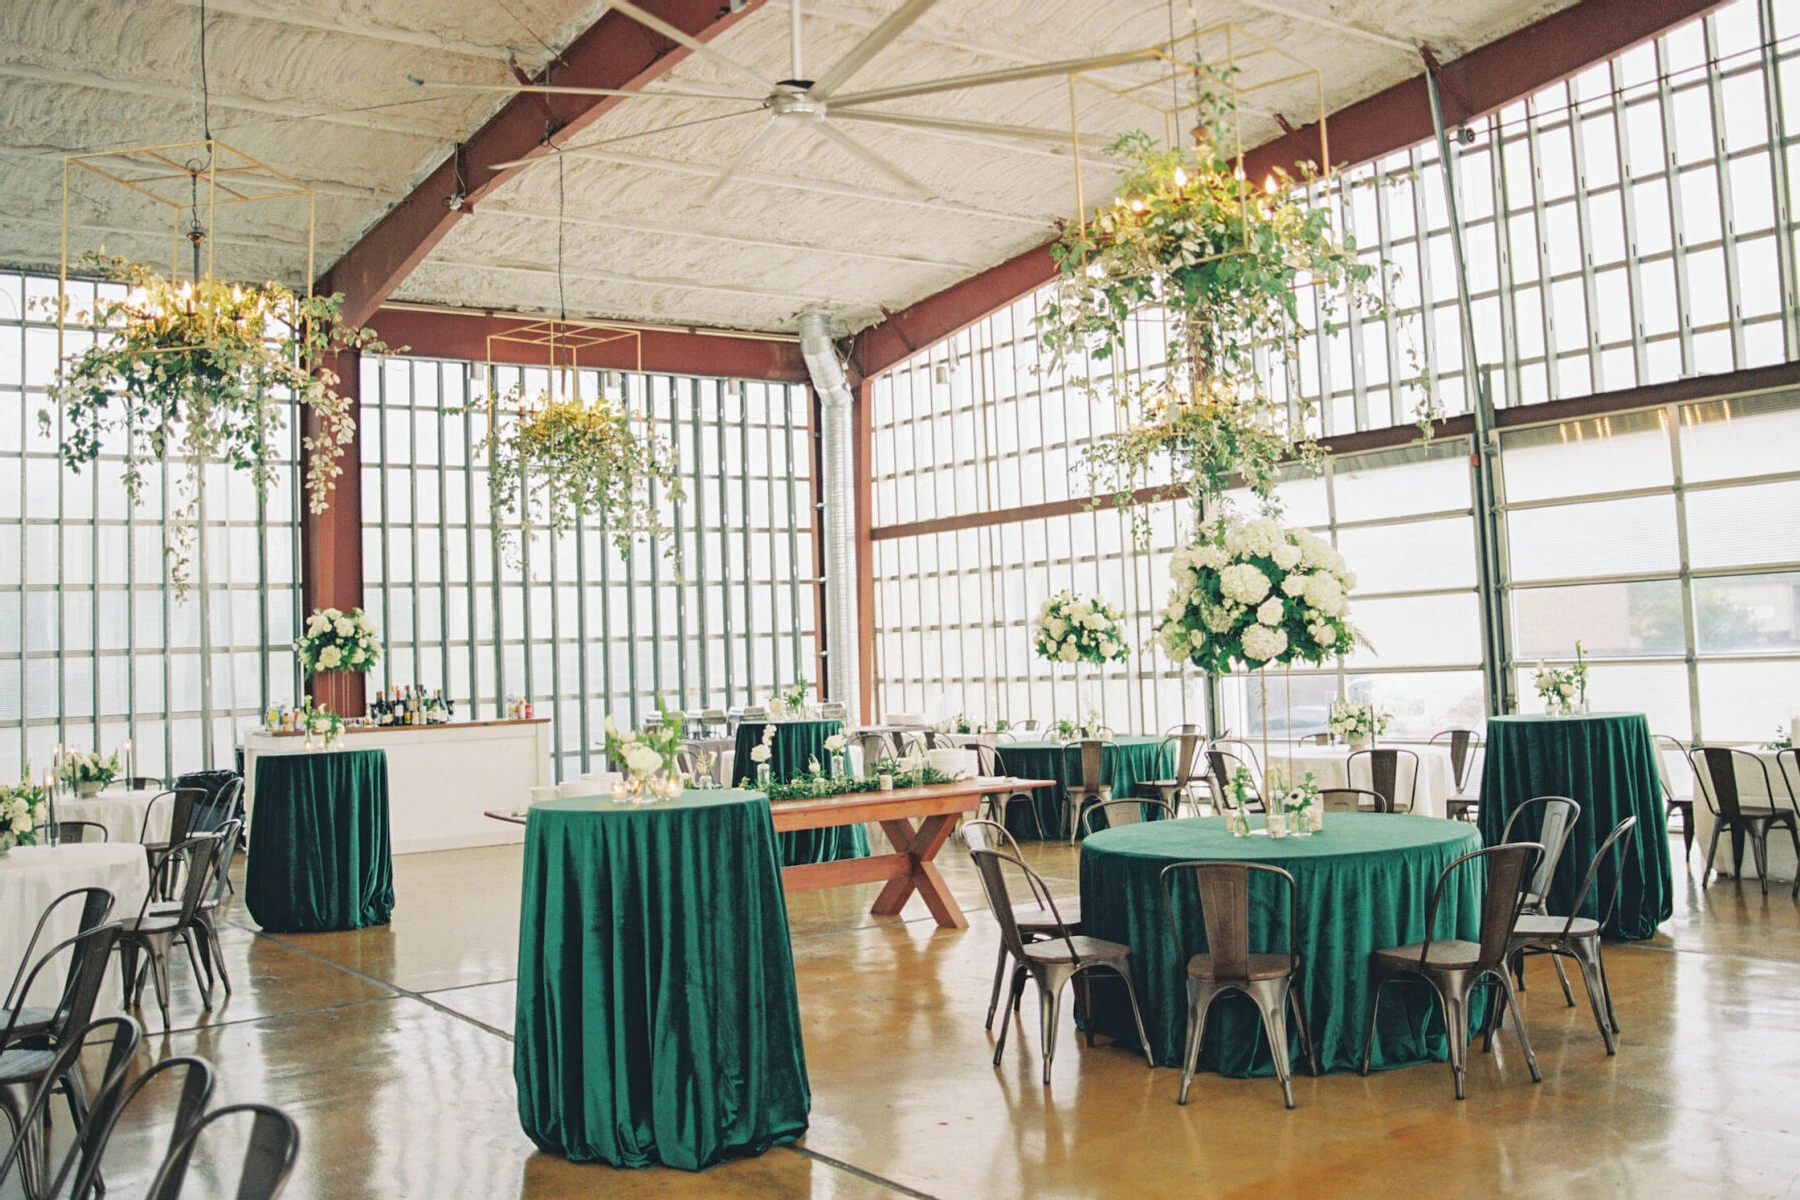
1180, 178
1269, 184
1137, 206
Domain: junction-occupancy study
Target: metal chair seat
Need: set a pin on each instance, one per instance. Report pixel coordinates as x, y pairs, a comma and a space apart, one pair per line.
1261, 966
1447, 953
29, 1021
1536, 926
24, 1066
1085, 949
1037, 922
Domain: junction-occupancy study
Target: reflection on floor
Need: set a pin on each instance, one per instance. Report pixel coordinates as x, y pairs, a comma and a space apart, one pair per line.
390, 1048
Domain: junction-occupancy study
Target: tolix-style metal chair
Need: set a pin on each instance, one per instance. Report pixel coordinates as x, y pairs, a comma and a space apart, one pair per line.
1090, 786
1547, 821
31, 1150
1349, 800
1462, 745
1672, 804
1715, 774
268, 1157
1384, 774
1221, 765
997, 805
1186, 747
1036, 921
1123, 812
1229, 965
1455, 968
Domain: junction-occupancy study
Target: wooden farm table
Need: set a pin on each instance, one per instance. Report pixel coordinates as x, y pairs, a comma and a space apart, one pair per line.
910, 868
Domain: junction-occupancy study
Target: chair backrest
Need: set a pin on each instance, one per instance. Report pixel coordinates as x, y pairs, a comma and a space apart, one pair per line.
96, 904
1178, 730
231, 837
89, 953
124, 1035
934, 740
1460, 742
73, 833
1187, 749
1221, 765
1622, 829
1353, 800
1715, 774
987, 760
181, 813
1093, 758
991, 866
1548, 821
1790, 773
1246, 751
874, 749
1029, 725
197, 861
1508, 866
1123, 812
196, 1089
142, 783
1665, 745
1384, 774
268, 1160
1313, 739
1223, 889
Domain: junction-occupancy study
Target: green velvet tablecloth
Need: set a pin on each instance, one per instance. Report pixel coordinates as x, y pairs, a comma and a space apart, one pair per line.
319, 849
1364, 883
797, 743
1126, 762
657, 1017
1605, 762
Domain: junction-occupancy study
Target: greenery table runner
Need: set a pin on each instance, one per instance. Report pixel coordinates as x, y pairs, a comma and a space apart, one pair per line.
657, 1019
796, 745
1363, 884
1125, 763
319, 850
1606, 762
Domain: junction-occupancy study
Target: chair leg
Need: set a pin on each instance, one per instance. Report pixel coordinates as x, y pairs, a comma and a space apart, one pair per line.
218, 952
1374, 1010
993, 1000
1190, 1052
1084, 1006
1687, 835
1568, 995
1605, 985
1456, 1031
1271, 1001
1049, 1012
1518, 1017
1794, 832
1759, 853
1137, 1016
1012, 1004
128, 953
1712, 849
1306, 1042
1583, 952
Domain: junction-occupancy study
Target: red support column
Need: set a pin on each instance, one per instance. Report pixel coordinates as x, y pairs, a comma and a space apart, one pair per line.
863, 431
331, 557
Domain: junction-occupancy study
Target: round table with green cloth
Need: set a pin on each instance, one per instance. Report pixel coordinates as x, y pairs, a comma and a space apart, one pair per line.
657, 1017
1364, 883
1605, 762
320, 855
1125, 763
796, 744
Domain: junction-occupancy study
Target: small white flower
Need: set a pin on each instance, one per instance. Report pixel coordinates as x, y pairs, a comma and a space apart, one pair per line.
760, 753
1069, 652
642, 759
1243, 583
1286, 556
1295, 584
344, 627
330, 657
836, 742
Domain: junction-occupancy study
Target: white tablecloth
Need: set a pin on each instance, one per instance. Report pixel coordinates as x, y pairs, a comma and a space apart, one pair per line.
1753, 792
1329, 766
32, 876
122, 813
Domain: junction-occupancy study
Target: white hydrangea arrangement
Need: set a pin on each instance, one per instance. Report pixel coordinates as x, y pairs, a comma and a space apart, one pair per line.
1069, 629
22, 809
337, 641
1353, 722
1251, 593
644, 754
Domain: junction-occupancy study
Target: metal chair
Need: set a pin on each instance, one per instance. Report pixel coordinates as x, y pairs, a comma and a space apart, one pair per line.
1554, 817
1462, 744
1455, 968
1577, 937
1053, 962
125, 1035
1313, 739
874, 747
1221, 765
29, 1054
154, 933
997, 804
1243, 750
1122, 812
1172, 791
1715, 774
1028, 725
269, 1153
1229, 965
96, 905
182, 803
1384, 774
1673, 804
196, 1089
1091, 789
73, 833
205, 926
1034, 921
1351, 800
1178, 730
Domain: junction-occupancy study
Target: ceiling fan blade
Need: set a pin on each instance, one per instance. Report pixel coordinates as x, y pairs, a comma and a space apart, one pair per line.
652, 21
956, 83
879, 162
624, 137
562, 90
1024, 133
737, 160
896, 23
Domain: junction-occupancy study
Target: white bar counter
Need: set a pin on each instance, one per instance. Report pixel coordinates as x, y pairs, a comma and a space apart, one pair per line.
441, 778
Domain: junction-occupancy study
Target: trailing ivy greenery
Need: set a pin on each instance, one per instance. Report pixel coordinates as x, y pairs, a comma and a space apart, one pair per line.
562, 459
823, 787
198, 372
1226, 261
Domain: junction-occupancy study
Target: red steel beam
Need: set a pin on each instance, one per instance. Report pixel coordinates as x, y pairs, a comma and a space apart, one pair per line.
1485, 79
433, 334
331, 543
615, 52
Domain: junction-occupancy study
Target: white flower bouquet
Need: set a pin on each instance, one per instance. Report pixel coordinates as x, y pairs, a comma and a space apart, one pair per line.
1070, 629
85, 772
644, 754
23, 807
337, 641
1251, 593
1353, 722
1557, 687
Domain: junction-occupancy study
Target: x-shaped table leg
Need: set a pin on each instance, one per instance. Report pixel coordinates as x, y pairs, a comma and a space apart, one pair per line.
920, 845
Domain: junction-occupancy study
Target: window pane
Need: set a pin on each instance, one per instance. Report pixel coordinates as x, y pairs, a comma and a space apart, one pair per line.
1622, 620
1609, 537
1729, 527
1747, 613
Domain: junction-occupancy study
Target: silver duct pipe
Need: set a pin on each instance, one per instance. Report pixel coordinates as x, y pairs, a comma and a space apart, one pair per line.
839, 493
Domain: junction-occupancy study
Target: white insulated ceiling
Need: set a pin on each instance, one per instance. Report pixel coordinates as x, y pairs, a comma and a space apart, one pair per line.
320, 91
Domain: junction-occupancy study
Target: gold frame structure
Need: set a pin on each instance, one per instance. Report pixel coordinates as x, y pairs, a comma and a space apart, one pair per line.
163, 173
1180, 68
562, 342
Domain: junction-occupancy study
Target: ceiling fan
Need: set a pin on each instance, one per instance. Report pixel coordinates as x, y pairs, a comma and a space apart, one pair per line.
820, 105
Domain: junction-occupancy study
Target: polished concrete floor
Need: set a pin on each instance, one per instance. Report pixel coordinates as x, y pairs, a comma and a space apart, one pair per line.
390, 1048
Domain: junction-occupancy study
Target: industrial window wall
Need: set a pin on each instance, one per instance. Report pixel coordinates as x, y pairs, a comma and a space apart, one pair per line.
1630, 227
96, 647
565, 620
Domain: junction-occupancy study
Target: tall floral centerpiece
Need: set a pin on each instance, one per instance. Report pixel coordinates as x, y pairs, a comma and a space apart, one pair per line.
86, 773
199, 372
1356, 725
648, 756
1070, 629
23, 807
341, 646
